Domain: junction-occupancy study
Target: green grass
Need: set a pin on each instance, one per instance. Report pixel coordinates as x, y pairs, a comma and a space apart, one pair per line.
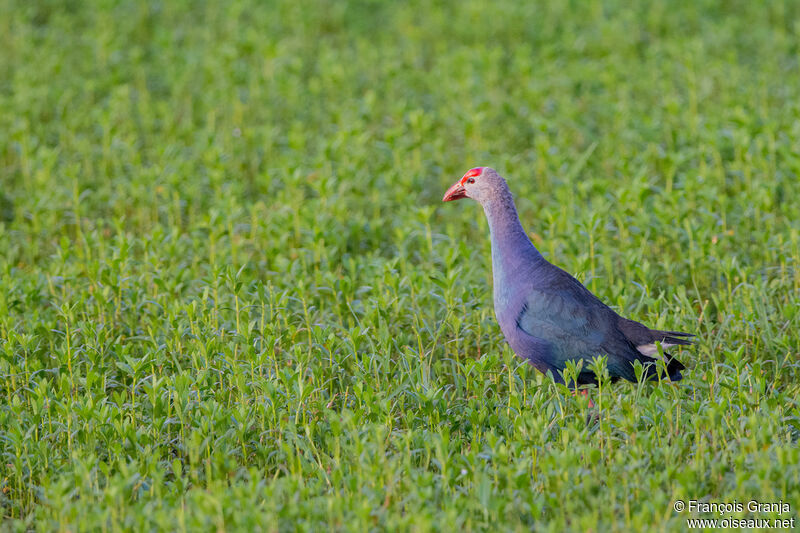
230, 297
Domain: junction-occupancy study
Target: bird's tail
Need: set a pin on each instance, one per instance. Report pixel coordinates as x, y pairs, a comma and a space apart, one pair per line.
673, 337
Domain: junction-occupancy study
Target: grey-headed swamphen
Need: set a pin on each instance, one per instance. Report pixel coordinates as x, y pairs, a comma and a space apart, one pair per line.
546, 315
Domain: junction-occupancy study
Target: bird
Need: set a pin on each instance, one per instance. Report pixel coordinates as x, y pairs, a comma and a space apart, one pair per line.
546, 315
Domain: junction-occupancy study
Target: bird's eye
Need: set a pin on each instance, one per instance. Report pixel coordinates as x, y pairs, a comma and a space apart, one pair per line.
471, 180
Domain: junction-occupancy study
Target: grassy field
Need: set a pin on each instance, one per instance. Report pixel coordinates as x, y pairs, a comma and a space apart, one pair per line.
231, 298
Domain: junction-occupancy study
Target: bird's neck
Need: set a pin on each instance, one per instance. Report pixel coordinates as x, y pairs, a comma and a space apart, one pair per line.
512, 250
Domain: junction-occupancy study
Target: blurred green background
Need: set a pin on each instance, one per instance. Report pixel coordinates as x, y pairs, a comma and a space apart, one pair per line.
230, 297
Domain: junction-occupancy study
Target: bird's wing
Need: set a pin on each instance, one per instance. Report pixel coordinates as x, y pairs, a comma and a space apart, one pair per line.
561, 311
559, 318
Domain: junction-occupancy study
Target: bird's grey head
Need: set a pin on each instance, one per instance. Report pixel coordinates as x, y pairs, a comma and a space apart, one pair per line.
482, 184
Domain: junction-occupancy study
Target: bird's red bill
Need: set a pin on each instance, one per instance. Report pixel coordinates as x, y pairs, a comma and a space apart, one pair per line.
456, 192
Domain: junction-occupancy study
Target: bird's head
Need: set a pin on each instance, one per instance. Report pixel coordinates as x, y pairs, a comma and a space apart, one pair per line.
479, 183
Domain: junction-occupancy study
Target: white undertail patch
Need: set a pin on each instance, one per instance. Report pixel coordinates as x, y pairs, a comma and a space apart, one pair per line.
651, 350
